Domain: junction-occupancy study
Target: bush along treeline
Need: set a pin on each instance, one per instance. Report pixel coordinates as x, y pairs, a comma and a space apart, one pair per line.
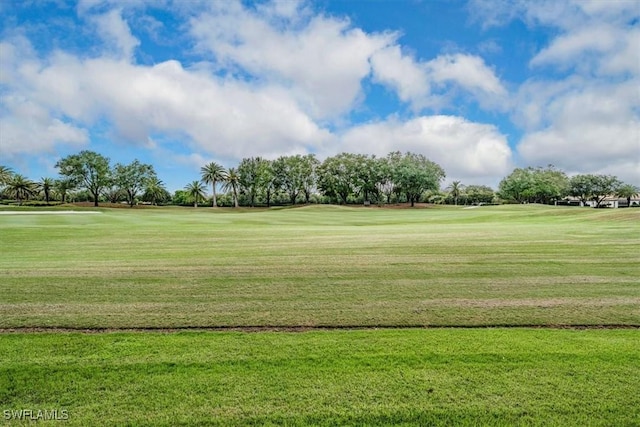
345, 178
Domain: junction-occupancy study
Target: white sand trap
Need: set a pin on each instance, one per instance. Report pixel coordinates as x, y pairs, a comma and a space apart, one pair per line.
48, 212
471, 207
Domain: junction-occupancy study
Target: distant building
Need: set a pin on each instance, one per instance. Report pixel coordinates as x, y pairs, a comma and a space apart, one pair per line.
608, 202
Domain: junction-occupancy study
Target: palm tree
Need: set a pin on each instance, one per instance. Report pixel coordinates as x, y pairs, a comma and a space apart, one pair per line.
20, 187
154, 190
62, 187
46, 185
231, 183
196, 190
455, 189
213, 173
628, 191
5, 175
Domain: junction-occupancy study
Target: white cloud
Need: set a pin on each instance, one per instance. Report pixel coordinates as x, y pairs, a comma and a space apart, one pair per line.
26, 126
228, 117
559, 13
625, 58
587, 127
604, 48
116, 33
323, 60
431, 83
402, 73
566, 48
29, 129
470, 73
472, 152
587, 120
619, 10
590, 120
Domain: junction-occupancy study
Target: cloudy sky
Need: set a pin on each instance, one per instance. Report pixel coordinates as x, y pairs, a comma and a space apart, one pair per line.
478, 86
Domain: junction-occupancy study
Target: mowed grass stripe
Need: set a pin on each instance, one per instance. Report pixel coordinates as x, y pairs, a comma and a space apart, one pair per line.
321, 266
375, 377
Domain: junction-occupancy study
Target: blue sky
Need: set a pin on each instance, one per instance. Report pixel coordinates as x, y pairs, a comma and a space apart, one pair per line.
479, 86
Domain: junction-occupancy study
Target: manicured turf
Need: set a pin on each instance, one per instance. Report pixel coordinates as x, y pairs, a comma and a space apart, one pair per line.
321, 266
466, 377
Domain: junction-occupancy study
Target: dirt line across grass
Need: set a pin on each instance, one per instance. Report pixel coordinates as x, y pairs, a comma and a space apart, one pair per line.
290, 328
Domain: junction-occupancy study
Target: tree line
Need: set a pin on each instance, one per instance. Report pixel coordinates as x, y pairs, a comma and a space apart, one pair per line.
345, 178
550, 185
342, 179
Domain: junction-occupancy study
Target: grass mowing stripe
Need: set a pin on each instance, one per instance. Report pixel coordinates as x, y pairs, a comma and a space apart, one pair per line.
394, 377
321, 266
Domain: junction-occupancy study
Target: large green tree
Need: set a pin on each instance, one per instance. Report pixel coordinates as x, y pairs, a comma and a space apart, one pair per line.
132, 178
593, 187
580, 186
367, 176
517, 186
213, 173
603, 186
309, 174
552, 184
337, 176
534, 185
88, 170
290, 175
270, 181
21, 188
416, 174
253, 177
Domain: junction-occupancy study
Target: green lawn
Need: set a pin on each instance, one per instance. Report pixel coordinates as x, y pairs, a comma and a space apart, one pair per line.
321, 266
351, 270
467, 377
